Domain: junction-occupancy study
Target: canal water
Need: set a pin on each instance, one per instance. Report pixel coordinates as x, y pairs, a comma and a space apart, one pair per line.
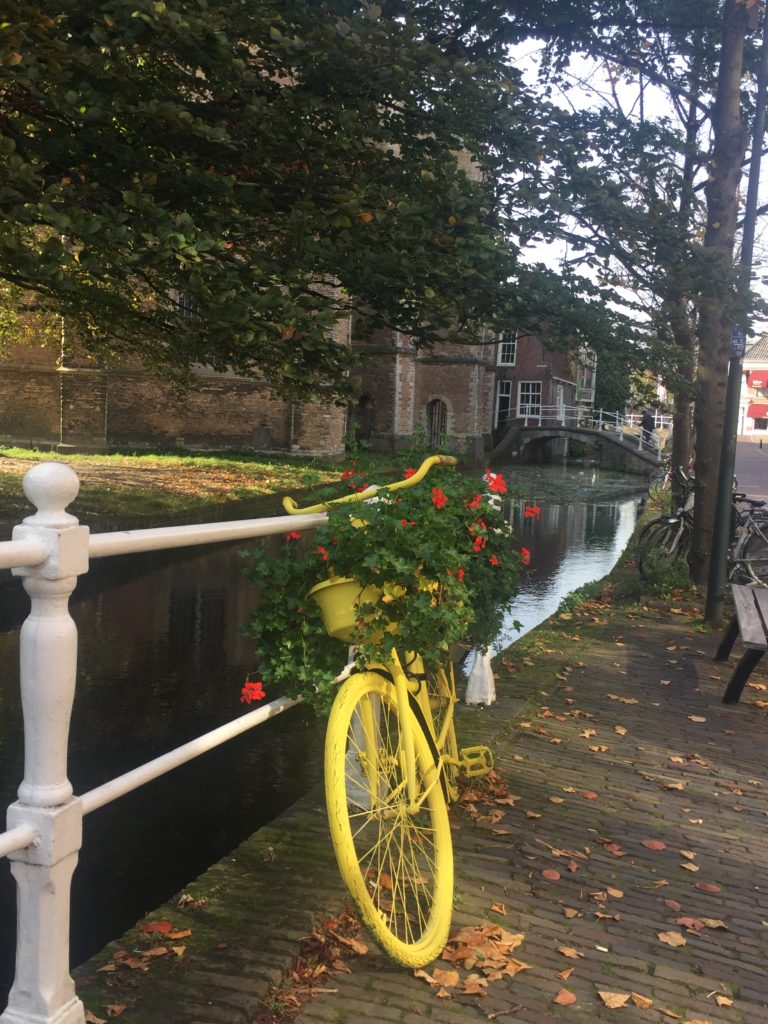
162, 660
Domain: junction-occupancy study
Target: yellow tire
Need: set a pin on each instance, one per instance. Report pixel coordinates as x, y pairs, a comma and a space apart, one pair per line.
397, 865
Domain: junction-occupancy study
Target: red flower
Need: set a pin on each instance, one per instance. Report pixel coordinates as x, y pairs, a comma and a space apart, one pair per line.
439, 499
407, 522
493, 560
321, 551
293, 535
495, 482
525, 556
532, 512
252, 691
408, 473
476, 501
460, 575
479, 543
348, 473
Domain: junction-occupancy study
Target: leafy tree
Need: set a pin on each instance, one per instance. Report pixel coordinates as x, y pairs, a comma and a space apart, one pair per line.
209, 181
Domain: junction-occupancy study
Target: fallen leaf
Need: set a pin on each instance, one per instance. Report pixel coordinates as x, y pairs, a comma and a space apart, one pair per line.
672, 938
424, 976
690, 867
532, 814
653, 844
674, 905
498, 908
616, 893
565, 975
443, 994
714, 922
556, 799
178, 950
589, 794
620, 730
446, 978
696, 718
707, 887
475, 985
564, 998
114, 1009
570, 952
155, 952
550, 874
91, 1018
614, 1000
158, 927
643, 1002
180, 935
723, 1001
693, 924
688, 854
570, 912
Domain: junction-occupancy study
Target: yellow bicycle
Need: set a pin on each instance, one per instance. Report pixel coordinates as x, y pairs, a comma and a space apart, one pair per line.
391, 766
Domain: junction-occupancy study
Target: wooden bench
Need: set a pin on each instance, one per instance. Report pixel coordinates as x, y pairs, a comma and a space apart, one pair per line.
751, 621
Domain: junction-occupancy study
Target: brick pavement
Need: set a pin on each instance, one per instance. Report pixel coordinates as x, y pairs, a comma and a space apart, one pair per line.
687, 772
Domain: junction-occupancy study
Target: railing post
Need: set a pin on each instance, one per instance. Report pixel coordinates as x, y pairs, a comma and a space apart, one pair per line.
43, 991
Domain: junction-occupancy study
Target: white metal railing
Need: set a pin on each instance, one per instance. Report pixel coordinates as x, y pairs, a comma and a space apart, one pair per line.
44, 826
626, 426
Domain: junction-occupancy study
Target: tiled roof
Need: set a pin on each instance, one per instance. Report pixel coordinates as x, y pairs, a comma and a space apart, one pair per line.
758, 350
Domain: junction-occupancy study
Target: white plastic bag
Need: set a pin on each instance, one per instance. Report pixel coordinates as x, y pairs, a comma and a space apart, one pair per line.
481, 688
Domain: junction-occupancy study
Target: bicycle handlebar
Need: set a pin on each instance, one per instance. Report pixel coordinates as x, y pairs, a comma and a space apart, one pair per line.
293, 509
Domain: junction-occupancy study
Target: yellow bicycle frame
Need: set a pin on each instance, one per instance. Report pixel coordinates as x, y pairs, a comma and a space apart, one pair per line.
403, 687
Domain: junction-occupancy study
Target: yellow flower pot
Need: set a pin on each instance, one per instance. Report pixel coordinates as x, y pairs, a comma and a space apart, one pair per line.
339, 600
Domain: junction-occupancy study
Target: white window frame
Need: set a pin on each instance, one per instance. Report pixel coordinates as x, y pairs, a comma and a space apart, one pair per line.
506, 340
504, 389
528, 408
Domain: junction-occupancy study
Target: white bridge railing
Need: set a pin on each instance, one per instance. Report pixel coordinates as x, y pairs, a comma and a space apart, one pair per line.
626, 426
44, 826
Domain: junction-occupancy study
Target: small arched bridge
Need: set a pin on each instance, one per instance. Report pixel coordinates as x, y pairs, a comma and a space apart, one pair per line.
617, 446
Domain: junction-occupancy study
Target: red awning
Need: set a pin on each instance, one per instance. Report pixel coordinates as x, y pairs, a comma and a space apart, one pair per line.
757, 379
758, 411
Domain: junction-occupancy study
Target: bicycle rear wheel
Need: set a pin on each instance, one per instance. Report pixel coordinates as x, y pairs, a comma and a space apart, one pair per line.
661, 543
397, 863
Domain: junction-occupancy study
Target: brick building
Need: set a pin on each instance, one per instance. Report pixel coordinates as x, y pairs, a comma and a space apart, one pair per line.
455, 397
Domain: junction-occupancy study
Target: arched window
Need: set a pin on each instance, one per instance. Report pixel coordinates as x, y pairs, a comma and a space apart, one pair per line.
437, 423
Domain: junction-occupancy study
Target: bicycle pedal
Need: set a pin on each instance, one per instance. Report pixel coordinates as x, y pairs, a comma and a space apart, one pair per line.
476, 760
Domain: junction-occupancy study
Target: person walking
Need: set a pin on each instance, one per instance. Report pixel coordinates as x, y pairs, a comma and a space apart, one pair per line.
647, 424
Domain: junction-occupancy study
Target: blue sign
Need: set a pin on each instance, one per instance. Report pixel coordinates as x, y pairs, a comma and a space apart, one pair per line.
738, 342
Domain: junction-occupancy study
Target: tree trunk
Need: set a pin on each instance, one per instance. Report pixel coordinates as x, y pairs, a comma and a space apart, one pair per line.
717, 305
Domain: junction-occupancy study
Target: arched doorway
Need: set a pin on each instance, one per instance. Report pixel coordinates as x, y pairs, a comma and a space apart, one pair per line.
437, 423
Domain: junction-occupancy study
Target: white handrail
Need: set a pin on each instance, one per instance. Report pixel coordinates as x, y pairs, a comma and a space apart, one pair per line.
49, 551
109, 791
122, 542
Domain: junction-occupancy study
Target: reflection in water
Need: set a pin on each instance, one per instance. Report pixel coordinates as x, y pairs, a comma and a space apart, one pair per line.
161, 661
570, 545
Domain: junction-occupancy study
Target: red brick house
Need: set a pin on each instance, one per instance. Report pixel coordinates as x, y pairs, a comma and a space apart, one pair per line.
455, 397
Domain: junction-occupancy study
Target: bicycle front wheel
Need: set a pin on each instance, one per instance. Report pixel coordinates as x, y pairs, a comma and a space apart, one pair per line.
661, 543
754, 555
396, 861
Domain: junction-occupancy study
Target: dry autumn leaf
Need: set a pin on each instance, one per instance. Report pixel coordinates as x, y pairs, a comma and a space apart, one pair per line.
443, 993
697, 718
643, 1002
570, 952
672, 938
708, 887
589, 794
91, 1018
723, 1000
446, 978
564, 998
613, 1000
550, 874
565, 975
620, 730
570, 912
653, 844
114, 1009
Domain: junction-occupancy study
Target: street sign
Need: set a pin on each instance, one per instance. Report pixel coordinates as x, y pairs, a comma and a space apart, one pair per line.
738, 342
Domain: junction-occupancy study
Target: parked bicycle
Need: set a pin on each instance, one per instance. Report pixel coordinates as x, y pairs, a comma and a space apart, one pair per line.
391, 766
666, 539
